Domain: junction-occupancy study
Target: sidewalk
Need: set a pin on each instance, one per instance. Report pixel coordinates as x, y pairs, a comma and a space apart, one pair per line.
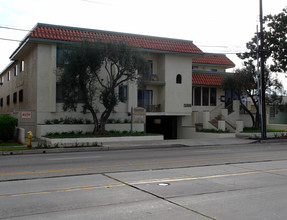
197, 142
129, 145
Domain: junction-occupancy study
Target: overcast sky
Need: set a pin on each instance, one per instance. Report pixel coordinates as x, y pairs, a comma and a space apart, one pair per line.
222, 26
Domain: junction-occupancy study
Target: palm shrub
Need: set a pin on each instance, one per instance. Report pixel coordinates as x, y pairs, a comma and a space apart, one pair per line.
7, 127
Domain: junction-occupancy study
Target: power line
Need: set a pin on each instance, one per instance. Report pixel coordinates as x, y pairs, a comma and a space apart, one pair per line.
10, 39
15, 29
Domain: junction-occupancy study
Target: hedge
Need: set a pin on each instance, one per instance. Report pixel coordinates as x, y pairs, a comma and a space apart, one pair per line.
7, 127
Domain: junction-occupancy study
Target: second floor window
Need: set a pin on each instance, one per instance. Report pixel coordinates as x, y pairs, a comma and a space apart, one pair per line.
21, 95
8, 76
22, 66
145, 99
178, 79
123, 93
8, 100
15, 70
15, 97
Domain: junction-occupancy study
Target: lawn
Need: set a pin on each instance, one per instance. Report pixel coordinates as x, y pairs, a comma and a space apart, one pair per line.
13, 148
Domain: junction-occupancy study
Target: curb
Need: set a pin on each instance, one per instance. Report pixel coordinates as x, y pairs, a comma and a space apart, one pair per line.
55, 150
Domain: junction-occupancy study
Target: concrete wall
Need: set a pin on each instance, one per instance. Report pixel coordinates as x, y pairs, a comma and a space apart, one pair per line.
178, 98
46, 78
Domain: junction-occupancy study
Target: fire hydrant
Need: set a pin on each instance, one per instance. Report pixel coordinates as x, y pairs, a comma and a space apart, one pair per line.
30, 135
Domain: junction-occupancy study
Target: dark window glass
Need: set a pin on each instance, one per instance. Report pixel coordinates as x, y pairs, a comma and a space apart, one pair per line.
1, 102
59, 94
213, 96
8, 100
205, 96
123, 93
178, 79
15, 97
21, 95
197, 96
145, 99
60, 97
60, 60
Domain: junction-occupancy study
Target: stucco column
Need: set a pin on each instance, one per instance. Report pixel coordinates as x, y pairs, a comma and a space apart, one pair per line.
239, 126
221, 125
194, 117
206, 119
236, 108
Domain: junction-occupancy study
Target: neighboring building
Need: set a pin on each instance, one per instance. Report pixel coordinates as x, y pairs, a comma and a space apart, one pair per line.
182, 80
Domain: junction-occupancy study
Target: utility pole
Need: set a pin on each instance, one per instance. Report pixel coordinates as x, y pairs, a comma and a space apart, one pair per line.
262, 78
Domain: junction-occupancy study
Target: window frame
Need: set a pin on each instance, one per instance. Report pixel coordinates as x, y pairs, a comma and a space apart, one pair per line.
22, 66
8, 75
197, 96
123, 93
20, 97
8, 100
178, 79
15, 97
212, 96
205, 96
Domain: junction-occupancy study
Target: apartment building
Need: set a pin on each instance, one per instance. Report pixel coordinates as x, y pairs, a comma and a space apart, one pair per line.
182, 80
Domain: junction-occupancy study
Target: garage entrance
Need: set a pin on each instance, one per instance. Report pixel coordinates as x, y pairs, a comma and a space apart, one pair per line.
165, 125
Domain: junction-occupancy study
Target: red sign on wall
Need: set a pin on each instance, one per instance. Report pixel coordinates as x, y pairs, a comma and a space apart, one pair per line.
26, 115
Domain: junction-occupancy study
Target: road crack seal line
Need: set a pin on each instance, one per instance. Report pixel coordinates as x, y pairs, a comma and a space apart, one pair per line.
157, 196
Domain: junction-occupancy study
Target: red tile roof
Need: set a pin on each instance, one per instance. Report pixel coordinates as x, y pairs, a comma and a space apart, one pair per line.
206, 79
62, 33
216, 59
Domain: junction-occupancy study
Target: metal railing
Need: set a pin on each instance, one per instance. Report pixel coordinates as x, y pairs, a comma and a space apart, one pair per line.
152, 108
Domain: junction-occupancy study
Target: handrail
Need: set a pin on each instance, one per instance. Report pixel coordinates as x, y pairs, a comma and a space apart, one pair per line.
215, 112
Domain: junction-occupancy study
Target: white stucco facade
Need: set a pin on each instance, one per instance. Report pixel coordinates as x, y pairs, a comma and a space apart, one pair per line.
170, 89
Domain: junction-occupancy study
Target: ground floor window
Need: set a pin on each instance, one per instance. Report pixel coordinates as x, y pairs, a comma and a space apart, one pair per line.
197, 96
145, 99
204, 96
60, 97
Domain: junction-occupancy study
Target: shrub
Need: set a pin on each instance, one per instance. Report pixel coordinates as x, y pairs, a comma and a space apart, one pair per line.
48, 122
118, 121
68, 120
7, 127
88, 121
127, 120
56, 121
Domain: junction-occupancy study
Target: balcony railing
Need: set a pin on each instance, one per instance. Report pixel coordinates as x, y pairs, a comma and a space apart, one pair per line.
152, 108
152, 79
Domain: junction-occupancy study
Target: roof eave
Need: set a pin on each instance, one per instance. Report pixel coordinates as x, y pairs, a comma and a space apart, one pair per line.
212, 64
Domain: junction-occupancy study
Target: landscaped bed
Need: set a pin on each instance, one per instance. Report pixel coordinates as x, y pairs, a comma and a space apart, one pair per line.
79, 139
79, 134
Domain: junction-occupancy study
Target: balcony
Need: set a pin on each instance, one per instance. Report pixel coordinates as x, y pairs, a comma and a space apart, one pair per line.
152, 79
152, 108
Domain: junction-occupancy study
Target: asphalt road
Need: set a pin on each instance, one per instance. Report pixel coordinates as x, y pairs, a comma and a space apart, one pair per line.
220, 182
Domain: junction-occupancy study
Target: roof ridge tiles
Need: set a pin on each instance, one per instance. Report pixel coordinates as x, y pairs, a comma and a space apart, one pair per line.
109, 32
